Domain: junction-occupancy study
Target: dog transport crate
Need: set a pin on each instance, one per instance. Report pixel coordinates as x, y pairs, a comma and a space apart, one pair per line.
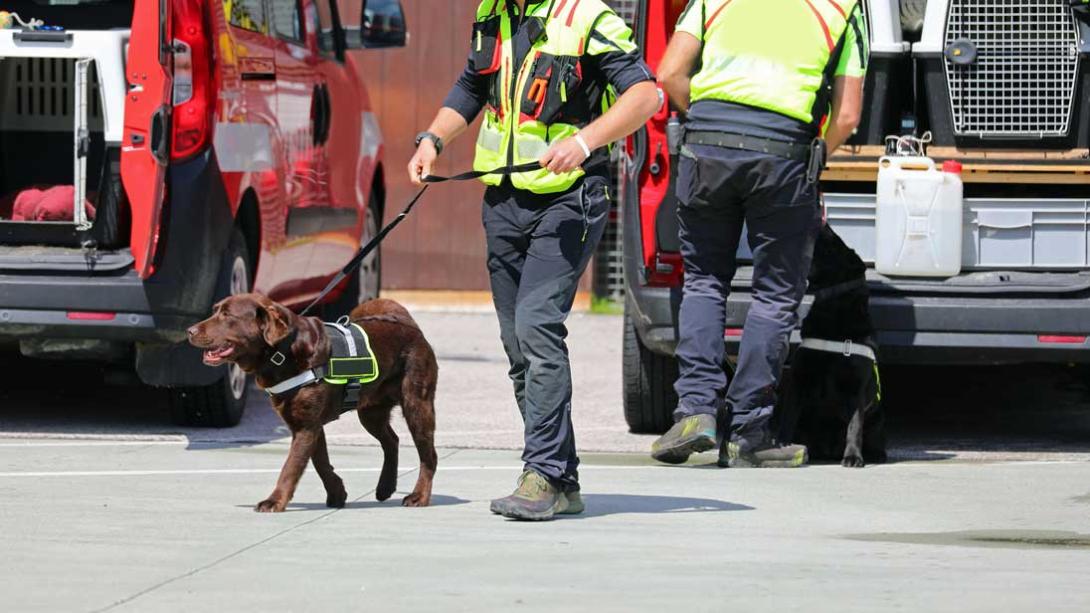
1007, 73
62, 98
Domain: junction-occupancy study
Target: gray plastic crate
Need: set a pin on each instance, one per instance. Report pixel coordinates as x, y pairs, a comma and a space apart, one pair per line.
1007, 234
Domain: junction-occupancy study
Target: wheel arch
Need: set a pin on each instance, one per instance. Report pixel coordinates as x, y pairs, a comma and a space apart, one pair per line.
378, 188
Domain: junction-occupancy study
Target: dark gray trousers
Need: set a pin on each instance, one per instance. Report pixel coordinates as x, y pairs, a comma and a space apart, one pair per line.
719, 190
538, 248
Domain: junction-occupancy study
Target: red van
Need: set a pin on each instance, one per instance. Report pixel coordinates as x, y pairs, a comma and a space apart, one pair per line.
158, 155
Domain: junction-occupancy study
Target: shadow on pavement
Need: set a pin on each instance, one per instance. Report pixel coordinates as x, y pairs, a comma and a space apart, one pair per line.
69, 399
599, 505
395, 502
1030, 408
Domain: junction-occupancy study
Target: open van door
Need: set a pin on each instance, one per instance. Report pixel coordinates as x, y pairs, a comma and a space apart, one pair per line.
145, 149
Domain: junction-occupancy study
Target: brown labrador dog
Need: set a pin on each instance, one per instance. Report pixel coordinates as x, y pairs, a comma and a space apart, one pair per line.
247, 329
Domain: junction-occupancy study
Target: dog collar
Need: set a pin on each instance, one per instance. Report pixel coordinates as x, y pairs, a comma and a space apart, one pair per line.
846, 348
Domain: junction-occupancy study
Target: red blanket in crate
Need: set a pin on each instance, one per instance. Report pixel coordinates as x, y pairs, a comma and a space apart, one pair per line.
47, 204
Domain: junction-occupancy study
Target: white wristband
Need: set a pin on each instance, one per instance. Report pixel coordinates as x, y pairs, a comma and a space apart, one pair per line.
583, 144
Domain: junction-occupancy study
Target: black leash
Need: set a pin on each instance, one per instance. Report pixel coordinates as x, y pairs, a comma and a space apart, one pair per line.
372, 244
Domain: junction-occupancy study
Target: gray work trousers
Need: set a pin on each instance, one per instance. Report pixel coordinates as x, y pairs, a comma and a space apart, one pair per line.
719, 190
538, 248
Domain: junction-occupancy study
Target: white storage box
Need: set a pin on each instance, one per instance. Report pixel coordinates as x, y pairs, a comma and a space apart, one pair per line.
1014, 234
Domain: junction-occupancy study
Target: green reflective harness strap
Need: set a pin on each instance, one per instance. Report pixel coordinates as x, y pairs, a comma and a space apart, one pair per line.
361, 368
878, 381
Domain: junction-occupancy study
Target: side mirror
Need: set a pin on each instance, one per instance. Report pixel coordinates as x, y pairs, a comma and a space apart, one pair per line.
382, 25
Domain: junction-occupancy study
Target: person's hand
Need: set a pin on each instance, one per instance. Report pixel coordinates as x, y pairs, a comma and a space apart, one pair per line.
420, 165
564, 156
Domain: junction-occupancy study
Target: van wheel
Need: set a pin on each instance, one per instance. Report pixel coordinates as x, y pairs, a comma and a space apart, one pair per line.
221, 404
366, 282
649, 397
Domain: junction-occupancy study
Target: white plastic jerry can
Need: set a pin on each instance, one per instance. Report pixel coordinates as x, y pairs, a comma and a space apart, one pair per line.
919, 218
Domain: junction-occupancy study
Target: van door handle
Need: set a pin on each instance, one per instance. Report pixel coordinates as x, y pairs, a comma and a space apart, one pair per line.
327, 104
320, 114
159, 144
317, 115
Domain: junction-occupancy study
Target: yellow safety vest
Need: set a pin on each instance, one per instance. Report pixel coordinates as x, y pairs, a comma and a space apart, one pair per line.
527, 107
776, 55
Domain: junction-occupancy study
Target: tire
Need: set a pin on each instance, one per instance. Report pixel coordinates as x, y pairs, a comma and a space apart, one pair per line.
649, 397
221, 404
366, 283
912, 14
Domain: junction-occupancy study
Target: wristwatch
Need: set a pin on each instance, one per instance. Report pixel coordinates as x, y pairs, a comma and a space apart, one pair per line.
438, 142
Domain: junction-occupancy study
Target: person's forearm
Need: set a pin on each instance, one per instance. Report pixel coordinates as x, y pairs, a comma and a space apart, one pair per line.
629, 114
448, 125
846, 111
676, 68
839, 132
678, 88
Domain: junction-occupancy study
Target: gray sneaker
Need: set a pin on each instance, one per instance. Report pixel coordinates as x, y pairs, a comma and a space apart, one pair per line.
692, 434
535, 499
772, 455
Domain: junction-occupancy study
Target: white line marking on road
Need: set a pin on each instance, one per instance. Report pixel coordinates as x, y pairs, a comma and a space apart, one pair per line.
177, 443
258, 471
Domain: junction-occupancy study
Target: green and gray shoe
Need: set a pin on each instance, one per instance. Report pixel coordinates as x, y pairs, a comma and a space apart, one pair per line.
773, 455
575, 503
692, 434
535, 499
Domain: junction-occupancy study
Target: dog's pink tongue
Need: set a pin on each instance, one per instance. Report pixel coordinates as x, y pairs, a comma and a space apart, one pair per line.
216, 355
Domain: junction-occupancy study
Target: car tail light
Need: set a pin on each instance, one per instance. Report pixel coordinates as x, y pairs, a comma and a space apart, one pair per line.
668, 271
1061, 339
194, 94
91, 316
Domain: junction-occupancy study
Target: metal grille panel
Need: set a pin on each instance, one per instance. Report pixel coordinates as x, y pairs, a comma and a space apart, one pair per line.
37, 95
1022, 84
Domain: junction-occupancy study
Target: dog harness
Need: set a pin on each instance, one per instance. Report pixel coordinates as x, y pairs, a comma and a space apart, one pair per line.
352, 363
847, 349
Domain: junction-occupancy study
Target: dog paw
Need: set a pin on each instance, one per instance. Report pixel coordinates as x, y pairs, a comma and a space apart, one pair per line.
385, 489
269, 506
416, 500
853, 461
336, 500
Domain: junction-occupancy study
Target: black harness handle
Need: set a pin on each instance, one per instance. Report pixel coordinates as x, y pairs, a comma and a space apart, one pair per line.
372, 244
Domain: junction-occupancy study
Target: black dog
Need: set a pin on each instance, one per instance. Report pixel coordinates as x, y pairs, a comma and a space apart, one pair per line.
832, 397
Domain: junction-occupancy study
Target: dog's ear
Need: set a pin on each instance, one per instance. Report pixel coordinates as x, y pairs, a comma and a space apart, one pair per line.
276, 321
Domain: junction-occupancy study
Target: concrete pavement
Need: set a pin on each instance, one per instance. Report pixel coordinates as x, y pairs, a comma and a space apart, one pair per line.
168, 527
104, 505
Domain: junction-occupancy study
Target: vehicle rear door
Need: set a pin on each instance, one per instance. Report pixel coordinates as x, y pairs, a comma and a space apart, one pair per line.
145, 148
